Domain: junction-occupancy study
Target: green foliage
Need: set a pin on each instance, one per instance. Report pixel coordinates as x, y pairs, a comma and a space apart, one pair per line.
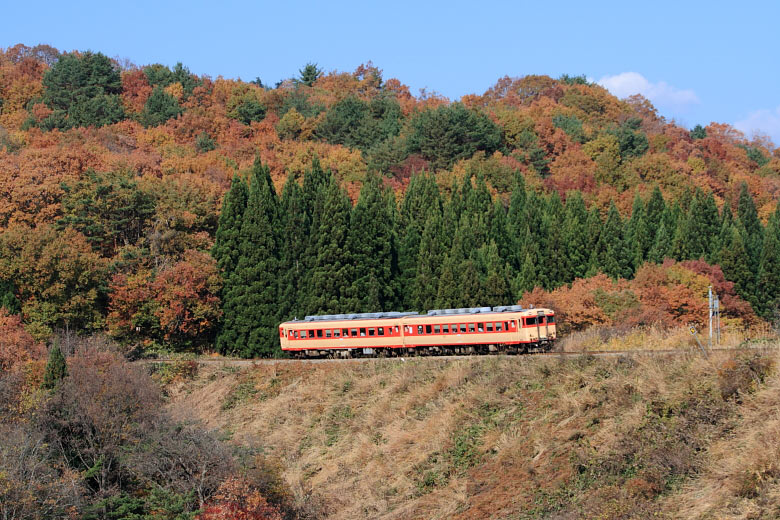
205, 143
632, 141
698, 132
309, 74
251, 303
359, 124
82, 90
448, 133
571, 125
756, 155
159, 108
56, 369
574, 80
299, 100
108, 208
8, 299
249, 110
161, 76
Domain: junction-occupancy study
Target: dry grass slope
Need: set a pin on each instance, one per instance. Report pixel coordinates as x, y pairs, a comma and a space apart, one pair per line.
511, 437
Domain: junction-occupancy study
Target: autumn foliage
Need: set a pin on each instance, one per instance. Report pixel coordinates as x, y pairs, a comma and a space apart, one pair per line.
236, 499
670, 294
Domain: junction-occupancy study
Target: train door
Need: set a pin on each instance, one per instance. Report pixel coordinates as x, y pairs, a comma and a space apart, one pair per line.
542, 333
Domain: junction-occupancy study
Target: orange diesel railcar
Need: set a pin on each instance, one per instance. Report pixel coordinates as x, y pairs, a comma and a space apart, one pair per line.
477, 330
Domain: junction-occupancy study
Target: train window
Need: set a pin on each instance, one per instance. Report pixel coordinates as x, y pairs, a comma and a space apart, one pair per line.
372, 332
327, 333
471, 327
509, 324
498, 327
419, 329
353, 333
530, 321
463, 327
428, 329
303, 334
445, 329
489, 327
345, 333
336, 333
362, 332
396, 329
480, 327
381, 331
436, 329
319, 333
550, 319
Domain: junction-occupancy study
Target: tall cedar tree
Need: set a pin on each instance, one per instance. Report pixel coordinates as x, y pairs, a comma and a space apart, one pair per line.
496, 286
735, 262
251, 306
748, 216
292, 216
768, 284
611, 255
56, 369
575, 237
422, 198
227, 242
371, 242
330, 285
433, 249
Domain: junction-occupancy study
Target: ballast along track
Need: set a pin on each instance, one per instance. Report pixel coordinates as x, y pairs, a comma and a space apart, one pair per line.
507, 329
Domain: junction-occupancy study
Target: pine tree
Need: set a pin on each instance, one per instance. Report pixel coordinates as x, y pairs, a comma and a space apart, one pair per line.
768, 282
575, 237
662, 246
251, 307
56, 369
469, 284
611, 255
735, 262
498, 230
448, 293
371, 242
496, 287
556, 267
330, 283
227, 240
429, 264
748, 217
421, 199
292, 216
526, 278
516, 223
637, 233
656, 207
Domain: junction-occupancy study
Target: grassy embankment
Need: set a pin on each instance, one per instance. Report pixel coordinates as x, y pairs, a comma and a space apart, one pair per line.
511, 437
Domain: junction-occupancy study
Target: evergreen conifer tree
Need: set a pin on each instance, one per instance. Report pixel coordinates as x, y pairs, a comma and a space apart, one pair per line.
496, 288
330, 281
251, 312
448, 293
611, 255
575, 235
371, 242
429, 264
527, 277
656, 207
56, 369
226, 248
768, 282
735, 262
662, 245
470, 284
293, 245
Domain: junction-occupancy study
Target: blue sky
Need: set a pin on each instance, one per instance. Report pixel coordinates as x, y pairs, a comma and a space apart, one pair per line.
697, 61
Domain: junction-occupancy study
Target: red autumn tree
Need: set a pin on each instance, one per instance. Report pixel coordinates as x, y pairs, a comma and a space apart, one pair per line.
238, 500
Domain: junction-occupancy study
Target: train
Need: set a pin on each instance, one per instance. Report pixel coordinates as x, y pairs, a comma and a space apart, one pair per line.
507, 329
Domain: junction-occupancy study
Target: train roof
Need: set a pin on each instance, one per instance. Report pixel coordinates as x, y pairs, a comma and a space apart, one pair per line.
465, 311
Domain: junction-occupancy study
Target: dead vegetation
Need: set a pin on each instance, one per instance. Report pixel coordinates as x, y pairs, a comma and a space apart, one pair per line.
510, 437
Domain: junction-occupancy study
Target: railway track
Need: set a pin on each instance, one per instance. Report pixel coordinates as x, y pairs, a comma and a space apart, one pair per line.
234, 362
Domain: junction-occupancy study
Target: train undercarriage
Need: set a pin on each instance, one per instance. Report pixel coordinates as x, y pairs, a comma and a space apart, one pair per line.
449, 350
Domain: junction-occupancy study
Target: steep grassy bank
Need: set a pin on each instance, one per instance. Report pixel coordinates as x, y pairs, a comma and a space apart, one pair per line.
515, 437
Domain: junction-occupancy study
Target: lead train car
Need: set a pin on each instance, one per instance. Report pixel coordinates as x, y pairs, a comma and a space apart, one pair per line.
453, 331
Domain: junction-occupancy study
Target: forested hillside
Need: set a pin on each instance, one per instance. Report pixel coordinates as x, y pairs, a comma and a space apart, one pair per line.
190, 213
